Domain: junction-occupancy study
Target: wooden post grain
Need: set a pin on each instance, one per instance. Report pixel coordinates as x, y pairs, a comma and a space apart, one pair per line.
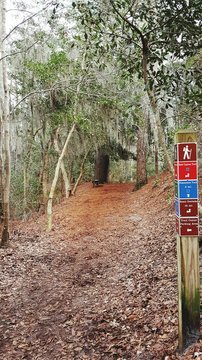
188, 275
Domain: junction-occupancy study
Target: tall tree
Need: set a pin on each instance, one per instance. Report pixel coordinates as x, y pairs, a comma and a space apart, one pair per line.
144, 36
5, 130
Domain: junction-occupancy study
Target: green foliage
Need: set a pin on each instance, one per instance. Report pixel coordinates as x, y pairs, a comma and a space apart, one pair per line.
94, 74
84, 123
59, 117
88, 173
166, 32
17, 193
122, 171
47, 72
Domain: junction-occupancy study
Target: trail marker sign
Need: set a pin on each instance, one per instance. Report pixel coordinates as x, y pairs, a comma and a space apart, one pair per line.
188, 208
187, 228
186, 170
186, 152
188, 189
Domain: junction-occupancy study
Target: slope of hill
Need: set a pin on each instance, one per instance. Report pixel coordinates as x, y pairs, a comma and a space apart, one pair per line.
101, 285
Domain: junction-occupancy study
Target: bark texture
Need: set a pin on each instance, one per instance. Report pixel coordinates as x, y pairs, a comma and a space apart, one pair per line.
5, 130
81, 173
63, 170
55, 179
141, 174
101, 166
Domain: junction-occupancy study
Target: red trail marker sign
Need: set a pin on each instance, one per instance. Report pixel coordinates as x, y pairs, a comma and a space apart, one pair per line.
188, 208
186, 170
186, 151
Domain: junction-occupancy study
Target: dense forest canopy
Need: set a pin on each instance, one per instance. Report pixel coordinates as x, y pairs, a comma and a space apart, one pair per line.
83, 80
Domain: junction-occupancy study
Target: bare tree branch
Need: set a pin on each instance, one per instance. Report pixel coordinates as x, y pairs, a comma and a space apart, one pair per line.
19, 52
51, 89
161, 26
25, 20
127, 38
20, 10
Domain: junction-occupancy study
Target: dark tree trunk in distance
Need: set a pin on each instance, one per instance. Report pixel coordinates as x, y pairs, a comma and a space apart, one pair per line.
101, 166
141, 173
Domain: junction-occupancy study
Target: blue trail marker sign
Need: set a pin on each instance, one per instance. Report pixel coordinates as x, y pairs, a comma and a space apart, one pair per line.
188, 189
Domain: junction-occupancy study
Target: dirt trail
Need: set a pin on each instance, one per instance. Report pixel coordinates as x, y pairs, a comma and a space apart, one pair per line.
101, 285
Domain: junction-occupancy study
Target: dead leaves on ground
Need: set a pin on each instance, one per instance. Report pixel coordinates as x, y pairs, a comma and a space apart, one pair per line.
102, 285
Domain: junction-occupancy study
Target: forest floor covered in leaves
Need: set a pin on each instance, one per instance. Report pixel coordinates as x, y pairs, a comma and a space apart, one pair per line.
101, 285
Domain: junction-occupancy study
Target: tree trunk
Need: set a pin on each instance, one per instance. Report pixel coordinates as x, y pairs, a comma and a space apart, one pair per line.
167, 160
25, 188
43, 176
145, 52
156, 142
101, 166
80, 175
55, 179
1, 142
63, 170
6, 171
156, 161
141, 174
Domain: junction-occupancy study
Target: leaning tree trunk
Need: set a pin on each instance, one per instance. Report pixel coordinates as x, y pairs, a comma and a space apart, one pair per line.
4, 103
55, 179
63, 170
81, 174
141, 173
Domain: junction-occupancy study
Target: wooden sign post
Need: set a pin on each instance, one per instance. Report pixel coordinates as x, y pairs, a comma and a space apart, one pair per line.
187, 227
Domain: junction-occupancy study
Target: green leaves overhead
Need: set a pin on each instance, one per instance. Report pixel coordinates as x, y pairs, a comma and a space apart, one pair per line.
167, 33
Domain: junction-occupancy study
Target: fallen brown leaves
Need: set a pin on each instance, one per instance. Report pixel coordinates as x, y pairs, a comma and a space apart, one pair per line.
101, 285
